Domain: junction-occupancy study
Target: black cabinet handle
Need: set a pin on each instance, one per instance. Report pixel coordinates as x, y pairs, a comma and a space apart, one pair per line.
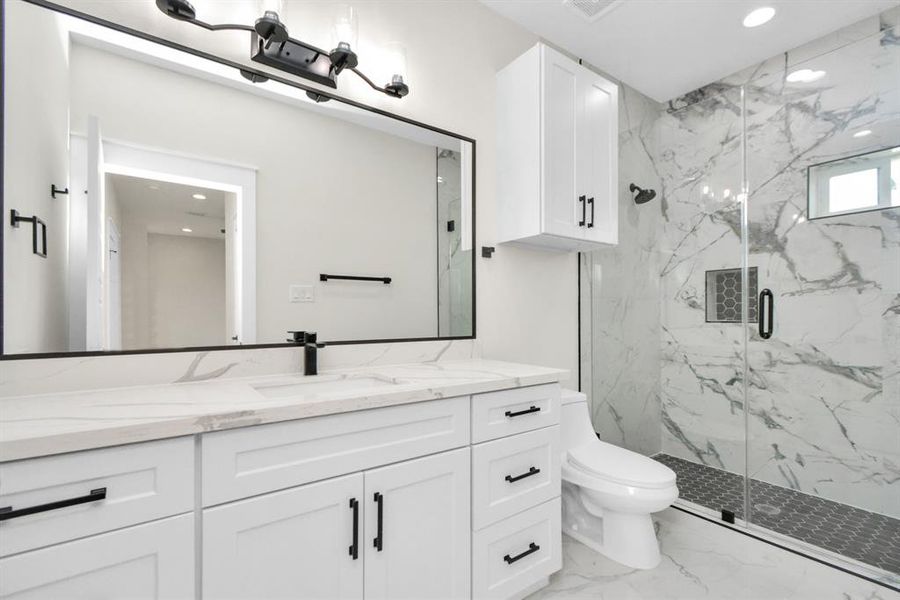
379, 536
766, 310
7, 512
531, 471
532, 548
354, 547
591, 202
583, 211
527, 411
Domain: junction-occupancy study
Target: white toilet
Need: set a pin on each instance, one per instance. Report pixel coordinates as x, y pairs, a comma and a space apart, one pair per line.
608, 493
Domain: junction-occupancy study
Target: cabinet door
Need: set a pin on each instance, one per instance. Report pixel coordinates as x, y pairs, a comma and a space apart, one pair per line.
151, 561
417, 525
597, 155
297, 543
562, 209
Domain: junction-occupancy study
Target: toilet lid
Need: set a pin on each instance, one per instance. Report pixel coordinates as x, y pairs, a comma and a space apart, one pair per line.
621, 466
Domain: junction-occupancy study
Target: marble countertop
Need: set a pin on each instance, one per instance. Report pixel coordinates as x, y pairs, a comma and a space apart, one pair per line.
40, 425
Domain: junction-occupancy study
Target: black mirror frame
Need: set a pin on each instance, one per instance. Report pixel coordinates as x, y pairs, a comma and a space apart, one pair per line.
253, 71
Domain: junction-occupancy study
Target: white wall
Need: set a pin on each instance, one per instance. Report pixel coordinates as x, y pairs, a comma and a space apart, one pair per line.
331, 197
526, 298
35, 314
187, 290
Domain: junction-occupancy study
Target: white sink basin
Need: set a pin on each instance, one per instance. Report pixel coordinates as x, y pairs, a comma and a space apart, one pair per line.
322, 386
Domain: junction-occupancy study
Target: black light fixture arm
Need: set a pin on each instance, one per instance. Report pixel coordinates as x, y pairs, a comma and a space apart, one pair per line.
393, 92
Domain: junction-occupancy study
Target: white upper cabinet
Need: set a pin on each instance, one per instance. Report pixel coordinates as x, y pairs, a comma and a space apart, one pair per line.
557, 179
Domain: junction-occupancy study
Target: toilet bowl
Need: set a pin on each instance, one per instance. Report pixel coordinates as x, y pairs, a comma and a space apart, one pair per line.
609, 492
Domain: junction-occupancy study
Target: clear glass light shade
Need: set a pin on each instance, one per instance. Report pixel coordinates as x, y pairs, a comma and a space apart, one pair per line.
275, 6
395, 62
345, 29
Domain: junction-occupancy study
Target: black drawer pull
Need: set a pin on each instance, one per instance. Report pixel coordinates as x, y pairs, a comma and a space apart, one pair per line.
378, 542
527, 411
531, 471
354, 547
532, 548
7, 512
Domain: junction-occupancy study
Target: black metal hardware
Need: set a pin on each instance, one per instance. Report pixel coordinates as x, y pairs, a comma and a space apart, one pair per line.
7, 512
15, 218
531, 471
325, 277
527, 411
532, 548
583, 211
766, 309
487, 251
379, 536
591, 202
55, 190
728, 516
451, 226
354, 547
309, 341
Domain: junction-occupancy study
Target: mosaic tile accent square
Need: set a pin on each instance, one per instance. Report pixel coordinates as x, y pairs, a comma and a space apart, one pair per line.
723, 295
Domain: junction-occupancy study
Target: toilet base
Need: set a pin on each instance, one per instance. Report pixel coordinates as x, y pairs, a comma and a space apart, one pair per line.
626, 538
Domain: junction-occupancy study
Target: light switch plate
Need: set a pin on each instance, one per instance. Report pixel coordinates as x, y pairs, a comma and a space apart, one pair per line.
301, 293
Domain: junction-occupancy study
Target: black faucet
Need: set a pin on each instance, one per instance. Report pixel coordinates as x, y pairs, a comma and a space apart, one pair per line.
310, 350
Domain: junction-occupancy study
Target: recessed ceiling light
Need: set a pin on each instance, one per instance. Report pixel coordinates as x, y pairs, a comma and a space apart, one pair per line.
199, 197
804, 76
187, 229
758, 17
862, 133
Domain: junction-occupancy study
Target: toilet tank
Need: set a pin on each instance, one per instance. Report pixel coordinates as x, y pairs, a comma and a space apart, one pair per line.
575, 420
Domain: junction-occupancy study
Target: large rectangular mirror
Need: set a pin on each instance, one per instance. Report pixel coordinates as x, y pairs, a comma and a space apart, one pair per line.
156, 199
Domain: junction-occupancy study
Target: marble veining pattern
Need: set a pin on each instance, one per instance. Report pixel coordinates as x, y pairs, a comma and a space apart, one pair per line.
54, 423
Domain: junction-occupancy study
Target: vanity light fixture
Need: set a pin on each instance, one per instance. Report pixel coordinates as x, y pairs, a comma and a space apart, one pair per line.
198, 197
759, 16
272, 46
862, 133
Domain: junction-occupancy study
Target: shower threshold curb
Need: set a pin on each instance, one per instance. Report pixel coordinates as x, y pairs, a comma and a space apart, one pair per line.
871, 574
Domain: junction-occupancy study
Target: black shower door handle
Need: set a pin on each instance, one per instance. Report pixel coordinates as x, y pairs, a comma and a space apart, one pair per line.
583, 200
766, 313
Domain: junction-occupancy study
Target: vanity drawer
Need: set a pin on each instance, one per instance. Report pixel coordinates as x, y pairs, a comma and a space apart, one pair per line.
512, 474
142, 482
507, 412
515, 554
254, 460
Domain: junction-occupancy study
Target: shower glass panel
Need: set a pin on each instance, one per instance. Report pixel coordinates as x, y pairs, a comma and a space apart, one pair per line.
823, 444
701, 277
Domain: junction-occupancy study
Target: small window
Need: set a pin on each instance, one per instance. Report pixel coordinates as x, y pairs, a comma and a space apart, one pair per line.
855, 184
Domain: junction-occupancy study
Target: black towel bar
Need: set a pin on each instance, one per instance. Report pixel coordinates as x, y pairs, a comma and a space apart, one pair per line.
325, 277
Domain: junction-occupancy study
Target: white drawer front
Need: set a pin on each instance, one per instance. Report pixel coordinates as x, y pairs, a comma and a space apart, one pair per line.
507, 412
143, 482
254, 460
514, 473
497, 570
154, 561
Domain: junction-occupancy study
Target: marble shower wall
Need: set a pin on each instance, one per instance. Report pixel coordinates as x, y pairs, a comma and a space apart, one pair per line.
620, 297
823, 393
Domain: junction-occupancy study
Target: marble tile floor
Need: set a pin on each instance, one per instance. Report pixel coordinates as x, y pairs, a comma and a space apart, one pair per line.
858, 534
703, 560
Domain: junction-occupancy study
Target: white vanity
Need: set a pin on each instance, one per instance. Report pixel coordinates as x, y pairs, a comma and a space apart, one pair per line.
434, 480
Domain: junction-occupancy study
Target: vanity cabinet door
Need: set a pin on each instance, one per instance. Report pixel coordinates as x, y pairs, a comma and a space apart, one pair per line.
154, 561
298, 543
417, 540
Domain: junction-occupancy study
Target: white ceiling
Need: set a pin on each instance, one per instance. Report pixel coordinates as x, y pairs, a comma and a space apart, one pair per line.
165, 207
666, 48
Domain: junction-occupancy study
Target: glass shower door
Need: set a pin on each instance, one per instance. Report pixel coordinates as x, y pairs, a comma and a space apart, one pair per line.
823, 410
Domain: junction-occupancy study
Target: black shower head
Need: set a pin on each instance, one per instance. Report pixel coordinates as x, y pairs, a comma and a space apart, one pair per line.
643, 196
